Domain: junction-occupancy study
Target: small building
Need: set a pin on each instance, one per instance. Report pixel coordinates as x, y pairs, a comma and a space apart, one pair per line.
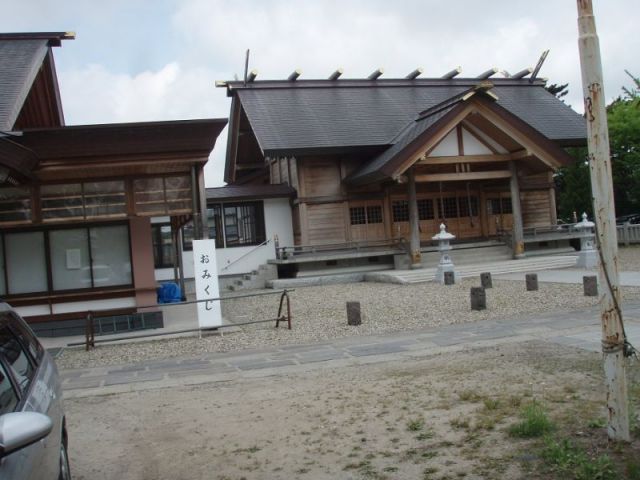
247, 222
383, 161
77, 202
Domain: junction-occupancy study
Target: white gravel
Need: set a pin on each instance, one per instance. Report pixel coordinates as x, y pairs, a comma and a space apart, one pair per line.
319, 313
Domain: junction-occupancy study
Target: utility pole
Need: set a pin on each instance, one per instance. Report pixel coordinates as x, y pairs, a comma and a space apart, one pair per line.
613, 337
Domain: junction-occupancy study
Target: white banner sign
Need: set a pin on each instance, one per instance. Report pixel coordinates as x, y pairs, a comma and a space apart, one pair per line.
206, 276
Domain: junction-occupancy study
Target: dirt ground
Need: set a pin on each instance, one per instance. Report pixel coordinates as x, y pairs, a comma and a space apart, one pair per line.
444, 416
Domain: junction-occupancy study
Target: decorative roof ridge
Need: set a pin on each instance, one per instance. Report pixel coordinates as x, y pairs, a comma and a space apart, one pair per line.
482, 87
54, 38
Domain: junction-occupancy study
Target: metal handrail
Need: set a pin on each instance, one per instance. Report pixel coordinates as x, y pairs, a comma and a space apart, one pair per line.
247, 253
285, 252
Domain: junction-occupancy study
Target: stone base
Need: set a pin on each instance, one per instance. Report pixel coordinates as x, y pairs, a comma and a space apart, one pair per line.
440, 273
587, 259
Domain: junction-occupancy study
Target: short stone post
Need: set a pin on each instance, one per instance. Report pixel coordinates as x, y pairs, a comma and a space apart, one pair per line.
354, 317
449, 278
590, 285
588, 256
445, 265
485, 280
478, 298
532, 281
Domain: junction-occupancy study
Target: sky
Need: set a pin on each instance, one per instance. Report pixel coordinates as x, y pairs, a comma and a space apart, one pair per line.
150, 60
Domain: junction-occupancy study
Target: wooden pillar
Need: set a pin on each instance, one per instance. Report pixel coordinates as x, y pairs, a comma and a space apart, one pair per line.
518, 234
414, 223
202, 198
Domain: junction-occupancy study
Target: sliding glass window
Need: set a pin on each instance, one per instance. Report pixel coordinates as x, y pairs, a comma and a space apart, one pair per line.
77, 258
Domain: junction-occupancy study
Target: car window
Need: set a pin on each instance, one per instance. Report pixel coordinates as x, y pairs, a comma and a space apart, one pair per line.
16, 358
28, 339
8, 397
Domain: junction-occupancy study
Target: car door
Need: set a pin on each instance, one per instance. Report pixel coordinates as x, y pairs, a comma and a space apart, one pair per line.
22, 390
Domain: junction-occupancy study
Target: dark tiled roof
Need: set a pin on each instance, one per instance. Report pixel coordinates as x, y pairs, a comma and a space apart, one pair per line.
246, 192
291, 117
19, 65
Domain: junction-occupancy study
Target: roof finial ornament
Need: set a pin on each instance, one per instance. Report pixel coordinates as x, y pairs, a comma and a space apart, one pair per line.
488, 73
294, 75
376, 73
452, 73
415, 74
335, 75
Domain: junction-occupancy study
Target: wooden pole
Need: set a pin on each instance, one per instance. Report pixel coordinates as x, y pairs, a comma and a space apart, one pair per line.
414, 222
613, 338
518, 233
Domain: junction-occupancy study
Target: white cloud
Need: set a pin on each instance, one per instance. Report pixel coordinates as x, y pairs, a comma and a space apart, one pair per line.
95, 95
205, 40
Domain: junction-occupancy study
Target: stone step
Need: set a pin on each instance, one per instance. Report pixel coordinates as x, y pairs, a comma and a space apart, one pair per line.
465, 271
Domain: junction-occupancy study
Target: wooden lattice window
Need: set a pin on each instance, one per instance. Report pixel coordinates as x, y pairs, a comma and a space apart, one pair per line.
163, 195
80, 201
425, 209
15, 205
400, 209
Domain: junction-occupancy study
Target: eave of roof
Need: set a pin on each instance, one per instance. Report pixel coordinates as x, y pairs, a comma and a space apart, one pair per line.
250, 192
54, 39
19, 160
82, 141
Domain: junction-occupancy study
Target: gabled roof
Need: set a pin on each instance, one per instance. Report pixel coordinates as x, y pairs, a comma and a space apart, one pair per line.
22, 56
439, 120
295, 117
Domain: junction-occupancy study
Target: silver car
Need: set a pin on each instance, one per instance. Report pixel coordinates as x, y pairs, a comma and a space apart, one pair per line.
33, 434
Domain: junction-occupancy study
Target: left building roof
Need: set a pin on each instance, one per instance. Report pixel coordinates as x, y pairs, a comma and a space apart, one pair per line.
22, 56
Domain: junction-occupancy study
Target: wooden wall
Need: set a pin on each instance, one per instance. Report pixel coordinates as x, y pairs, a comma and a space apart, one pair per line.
321, 212
535, 208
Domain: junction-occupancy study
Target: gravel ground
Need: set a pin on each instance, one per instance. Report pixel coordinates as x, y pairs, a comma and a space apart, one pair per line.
629, 258
319, 313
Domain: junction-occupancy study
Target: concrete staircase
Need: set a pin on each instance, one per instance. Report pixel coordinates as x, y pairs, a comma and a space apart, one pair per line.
464, 254
257, 279
470, 270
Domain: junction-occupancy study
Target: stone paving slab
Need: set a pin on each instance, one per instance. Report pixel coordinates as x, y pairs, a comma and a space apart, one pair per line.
577, 329
378, 349
321, 356
125, 379
264, 364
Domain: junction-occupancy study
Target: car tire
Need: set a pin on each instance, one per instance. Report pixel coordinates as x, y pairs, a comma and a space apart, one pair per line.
65, 471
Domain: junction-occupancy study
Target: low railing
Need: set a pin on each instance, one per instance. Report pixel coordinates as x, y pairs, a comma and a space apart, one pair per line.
246, 254
628, 233
565, 230
284, 253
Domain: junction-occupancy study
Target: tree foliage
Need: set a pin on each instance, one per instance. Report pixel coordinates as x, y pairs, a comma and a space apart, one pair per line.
573, 182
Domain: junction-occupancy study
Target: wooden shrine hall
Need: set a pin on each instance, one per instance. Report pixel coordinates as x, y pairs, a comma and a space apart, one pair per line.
374, 159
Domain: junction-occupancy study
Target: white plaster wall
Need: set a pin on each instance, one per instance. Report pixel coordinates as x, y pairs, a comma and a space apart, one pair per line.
277, 220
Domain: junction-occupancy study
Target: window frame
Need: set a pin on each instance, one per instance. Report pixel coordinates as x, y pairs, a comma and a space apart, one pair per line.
156, 245
221, 236
46, 229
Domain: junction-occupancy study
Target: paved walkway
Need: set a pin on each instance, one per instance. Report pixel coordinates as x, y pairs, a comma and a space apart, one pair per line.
580, 329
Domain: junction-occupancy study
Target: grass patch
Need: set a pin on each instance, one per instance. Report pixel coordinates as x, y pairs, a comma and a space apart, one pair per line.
566, 458
534, 423
415, 425
469, 396
491, 404
425, 435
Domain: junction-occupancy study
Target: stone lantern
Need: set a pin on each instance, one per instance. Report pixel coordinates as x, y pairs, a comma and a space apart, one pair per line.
446, 265
588, 256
